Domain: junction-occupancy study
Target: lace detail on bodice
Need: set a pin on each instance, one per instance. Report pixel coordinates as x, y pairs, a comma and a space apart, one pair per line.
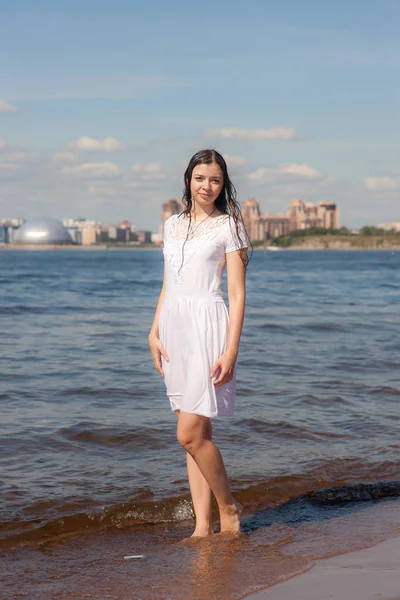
179, 239
180, 227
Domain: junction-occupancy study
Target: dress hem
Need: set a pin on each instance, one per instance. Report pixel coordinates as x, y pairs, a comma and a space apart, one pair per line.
190, 412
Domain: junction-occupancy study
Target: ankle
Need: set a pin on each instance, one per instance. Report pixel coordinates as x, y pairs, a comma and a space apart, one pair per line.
231, 508
203, 528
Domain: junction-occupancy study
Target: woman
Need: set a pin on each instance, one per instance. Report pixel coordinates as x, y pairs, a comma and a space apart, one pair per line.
193, 340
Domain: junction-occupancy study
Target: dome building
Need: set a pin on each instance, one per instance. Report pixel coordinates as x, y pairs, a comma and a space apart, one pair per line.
42, 231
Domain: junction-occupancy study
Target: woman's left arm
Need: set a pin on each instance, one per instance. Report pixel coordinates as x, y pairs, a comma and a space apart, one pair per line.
236, 273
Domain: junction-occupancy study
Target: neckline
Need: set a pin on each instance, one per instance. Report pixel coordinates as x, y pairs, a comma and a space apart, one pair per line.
186, 220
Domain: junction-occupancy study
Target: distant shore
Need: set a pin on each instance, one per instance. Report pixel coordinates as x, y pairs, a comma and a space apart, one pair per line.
344, 242
314, 242
76, 247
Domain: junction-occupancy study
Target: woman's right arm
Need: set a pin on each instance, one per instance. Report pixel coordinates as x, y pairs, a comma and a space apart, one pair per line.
156, 347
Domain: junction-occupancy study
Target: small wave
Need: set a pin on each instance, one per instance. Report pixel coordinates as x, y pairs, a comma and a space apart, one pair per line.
104, 392
324, 504
125, 514
26, 443
283, 499
281, 328
384, 390
326, 327
19, 309
358, 492
311, 400
393, 286
143, 437
290, 431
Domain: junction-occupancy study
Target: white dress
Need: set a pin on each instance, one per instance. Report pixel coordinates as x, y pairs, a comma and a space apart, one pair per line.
194, 321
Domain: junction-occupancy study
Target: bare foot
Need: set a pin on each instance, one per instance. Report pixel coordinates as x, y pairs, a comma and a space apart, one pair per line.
230, 519
202, 532
196, 537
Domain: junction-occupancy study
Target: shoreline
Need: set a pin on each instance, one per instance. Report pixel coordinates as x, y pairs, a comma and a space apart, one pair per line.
99, 247
309, 560
372, 572
29, 247
332, 248
340, 242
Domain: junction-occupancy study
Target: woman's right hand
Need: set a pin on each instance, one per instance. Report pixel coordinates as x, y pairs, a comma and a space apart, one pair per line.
157, 350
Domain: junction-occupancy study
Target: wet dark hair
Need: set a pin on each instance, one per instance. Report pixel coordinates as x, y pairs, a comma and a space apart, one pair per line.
226, 202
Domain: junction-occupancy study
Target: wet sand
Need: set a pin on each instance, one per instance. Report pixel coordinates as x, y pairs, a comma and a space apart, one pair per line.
363, 575
310, 556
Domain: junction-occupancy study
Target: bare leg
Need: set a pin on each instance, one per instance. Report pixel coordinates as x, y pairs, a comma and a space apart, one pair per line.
201, 493
201, 497
193, 438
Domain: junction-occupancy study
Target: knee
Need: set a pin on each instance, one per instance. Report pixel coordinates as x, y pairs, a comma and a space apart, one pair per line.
188, 439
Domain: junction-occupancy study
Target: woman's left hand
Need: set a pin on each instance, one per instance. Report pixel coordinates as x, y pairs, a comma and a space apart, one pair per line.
226, 365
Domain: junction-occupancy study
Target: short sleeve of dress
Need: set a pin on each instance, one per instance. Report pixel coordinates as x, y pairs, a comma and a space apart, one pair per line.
233, 241
167, 227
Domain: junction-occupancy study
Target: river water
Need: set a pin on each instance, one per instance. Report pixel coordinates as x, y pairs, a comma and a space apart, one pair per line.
88, 442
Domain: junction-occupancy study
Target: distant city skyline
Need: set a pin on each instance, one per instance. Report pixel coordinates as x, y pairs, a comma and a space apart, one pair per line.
175, 205
262, 226
301, 99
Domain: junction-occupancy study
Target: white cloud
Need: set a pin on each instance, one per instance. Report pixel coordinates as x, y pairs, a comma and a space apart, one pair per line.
235, 160
146, 175
93, 170
298, 170
284, 172
143, 184
381, 183
6, 107
258, 175
18, 156
277, 133
99, 189
8, 167
9, 153
88, 144
148, 170
64, 157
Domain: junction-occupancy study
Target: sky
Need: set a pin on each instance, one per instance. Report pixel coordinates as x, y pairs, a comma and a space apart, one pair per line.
102, 104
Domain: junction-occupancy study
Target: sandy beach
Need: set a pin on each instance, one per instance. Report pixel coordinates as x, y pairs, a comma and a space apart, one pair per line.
362, 575
317, 560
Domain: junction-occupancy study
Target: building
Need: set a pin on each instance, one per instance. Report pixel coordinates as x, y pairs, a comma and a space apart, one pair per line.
144, 237
393, 226
169, 208
7, 232
300, 215
82, 231
89, 233
129, 234
262, 227
156, 239
304, 215
89, 230
42, 231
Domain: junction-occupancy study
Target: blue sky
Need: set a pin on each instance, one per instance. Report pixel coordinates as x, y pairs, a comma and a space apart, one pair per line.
103, 103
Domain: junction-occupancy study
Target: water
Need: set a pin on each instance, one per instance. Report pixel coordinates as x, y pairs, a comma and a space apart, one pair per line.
88, 440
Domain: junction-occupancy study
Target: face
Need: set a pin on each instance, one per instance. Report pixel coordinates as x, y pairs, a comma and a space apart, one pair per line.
206, 184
